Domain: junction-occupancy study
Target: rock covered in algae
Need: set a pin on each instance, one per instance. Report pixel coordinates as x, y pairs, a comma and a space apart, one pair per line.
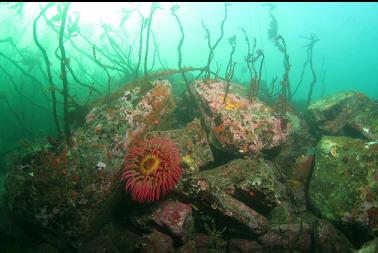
231, 194
70, 191
254, 182
369, 247
328, 239
346, 113
192, 142
237, 125
344, 183
287, 238
366, 122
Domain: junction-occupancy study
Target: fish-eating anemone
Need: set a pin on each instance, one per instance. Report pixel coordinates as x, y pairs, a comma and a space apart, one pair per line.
152, 169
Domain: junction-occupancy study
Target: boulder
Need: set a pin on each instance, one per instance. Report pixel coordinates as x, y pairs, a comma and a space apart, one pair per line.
287, 238
155, 242
252, 181
207, 191
70, 190
328, 239
366, 121
237, 125
344, 183
176, 217
192, 142
346, 113
171, 217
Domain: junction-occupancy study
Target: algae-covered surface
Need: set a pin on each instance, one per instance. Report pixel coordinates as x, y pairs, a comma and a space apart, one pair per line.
344, 185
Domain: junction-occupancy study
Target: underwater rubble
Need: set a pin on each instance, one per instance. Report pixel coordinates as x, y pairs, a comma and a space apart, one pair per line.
282, 186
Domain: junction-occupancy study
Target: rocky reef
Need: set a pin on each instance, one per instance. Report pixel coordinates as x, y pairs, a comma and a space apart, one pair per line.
252, 180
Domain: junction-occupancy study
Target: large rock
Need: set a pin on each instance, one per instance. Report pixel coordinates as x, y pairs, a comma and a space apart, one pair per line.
344, 183
205, 191
254, 182
192, 142
173, 218
339, 113
237, 125
70, 190
328, 239
176, 217
155, 242
287, 238
366, 122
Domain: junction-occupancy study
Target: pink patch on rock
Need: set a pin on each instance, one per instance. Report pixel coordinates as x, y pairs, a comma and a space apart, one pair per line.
90, 117
236, 124
175, 216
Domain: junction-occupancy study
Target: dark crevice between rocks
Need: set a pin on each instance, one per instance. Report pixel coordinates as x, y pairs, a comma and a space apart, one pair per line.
312, 125
307, 185
34, 235
13, 231
185, 112
352, 132
258, 201
272, 153
118, 231
231, 227
128, 220
11, 244
176, 240
313, 244
220, 158
357, 235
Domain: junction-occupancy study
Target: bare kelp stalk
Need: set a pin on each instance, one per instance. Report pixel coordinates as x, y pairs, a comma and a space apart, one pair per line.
230, 66
313, 39
213, 47
154, 7
107, 73
48, 68
251, 59
174, 8
280, 43
63, 63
